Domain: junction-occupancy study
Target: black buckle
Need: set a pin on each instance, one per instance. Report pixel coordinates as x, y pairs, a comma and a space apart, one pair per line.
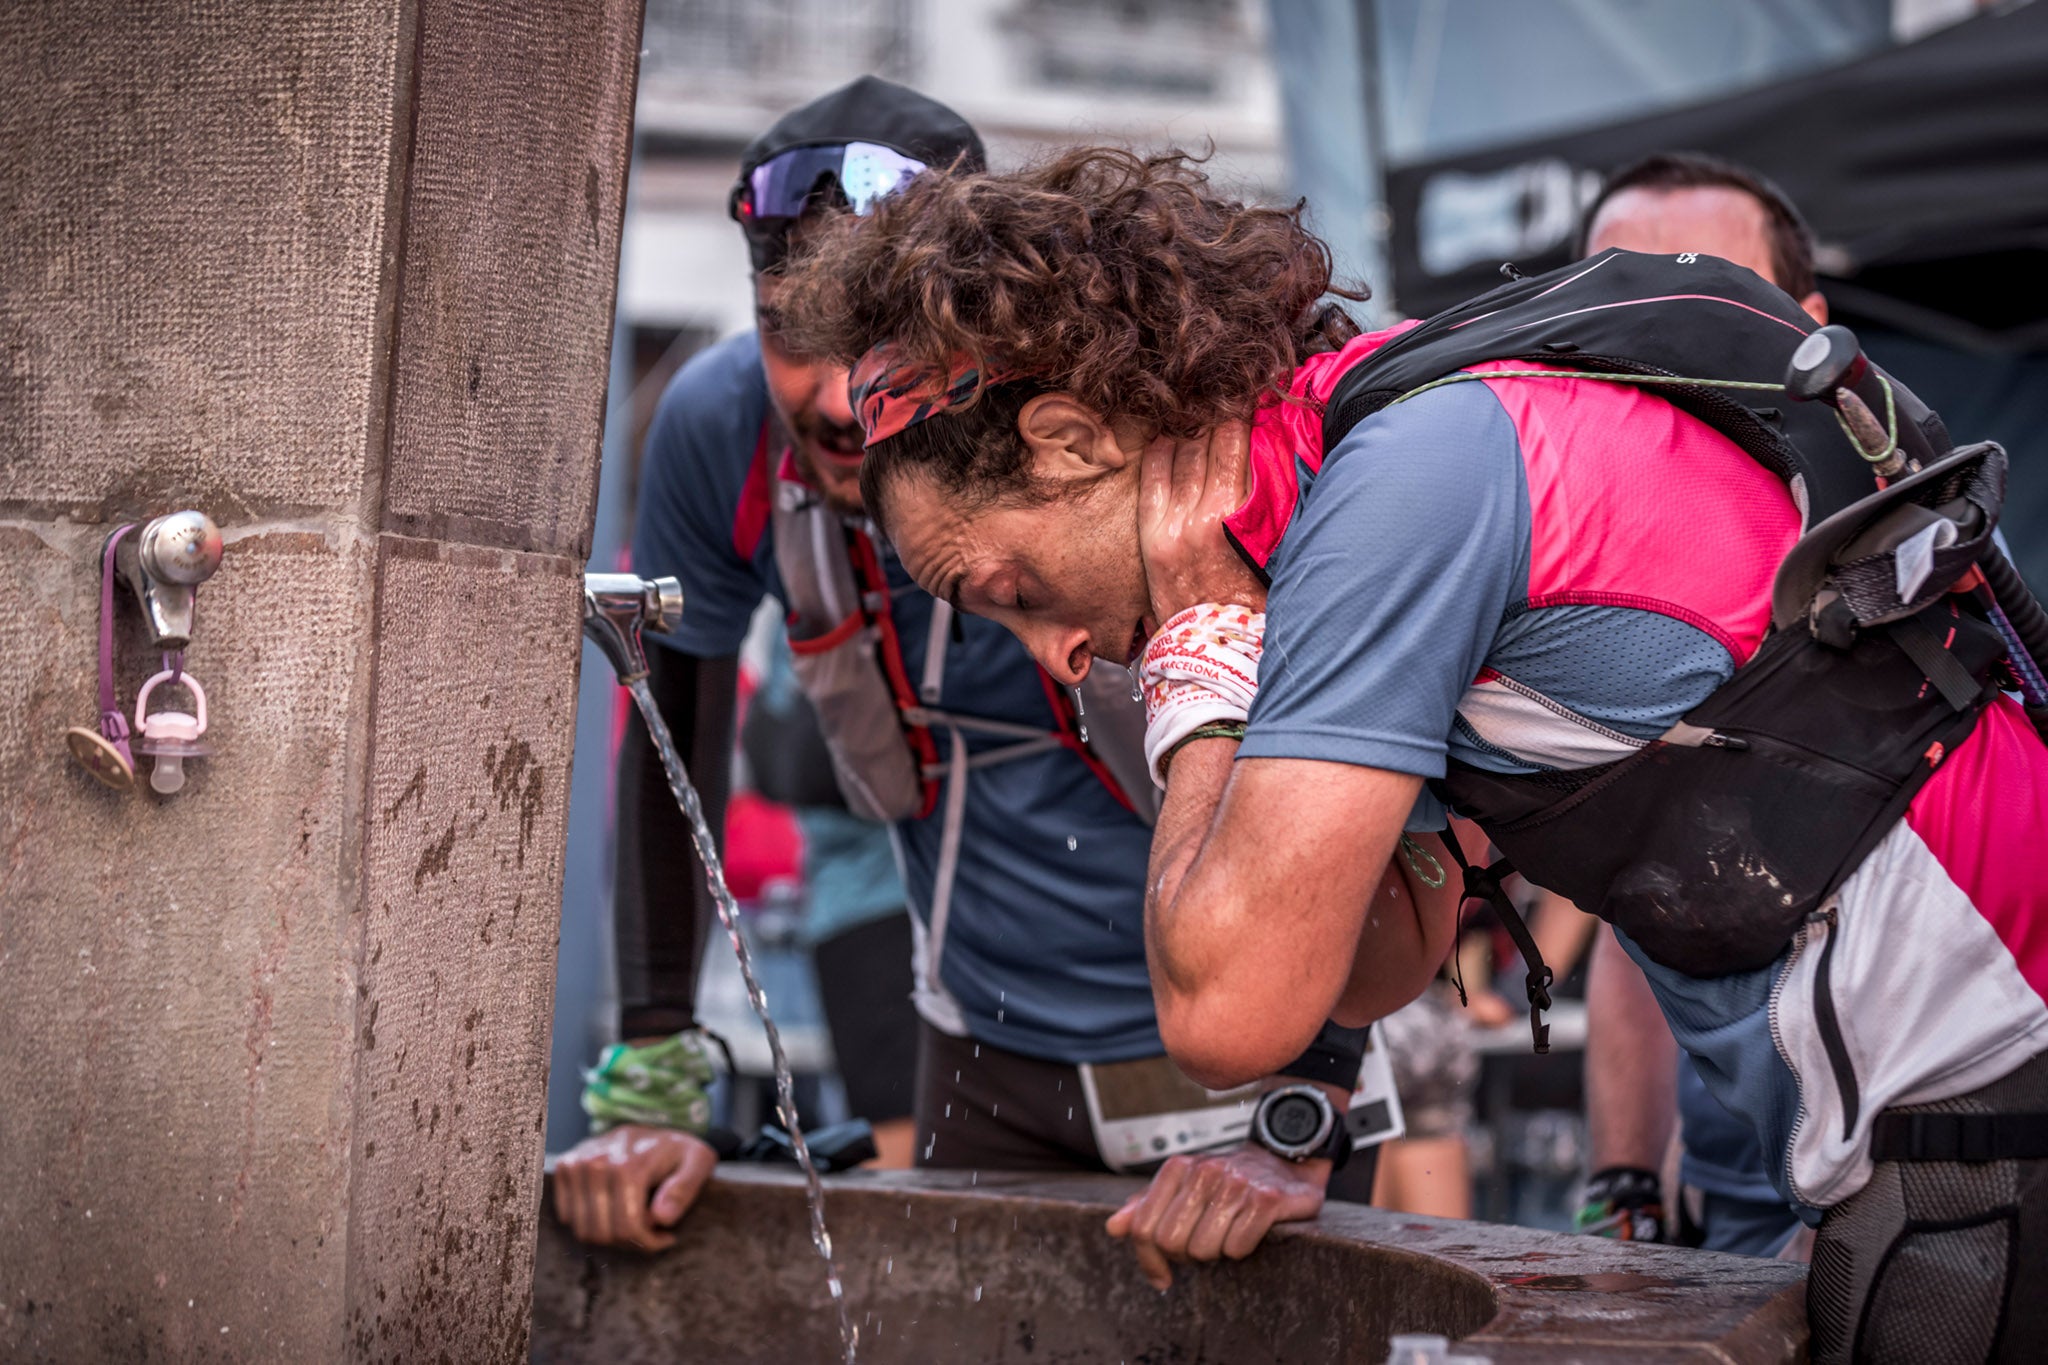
1485, 884
1538, 985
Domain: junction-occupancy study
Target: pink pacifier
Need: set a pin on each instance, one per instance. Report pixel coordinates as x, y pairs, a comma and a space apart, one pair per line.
171, 737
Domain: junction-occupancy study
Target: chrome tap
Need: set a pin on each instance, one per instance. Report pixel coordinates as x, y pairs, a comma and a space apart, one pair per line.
171, 556
617, 606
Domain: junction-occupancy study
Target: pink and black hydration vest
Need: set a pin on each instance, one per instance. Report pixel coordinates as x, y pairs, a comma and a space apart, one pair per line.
1868, 668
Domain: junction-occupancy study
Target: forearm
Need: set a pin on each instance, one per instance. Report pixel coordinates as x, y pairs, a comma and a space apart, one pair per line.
1219, 1009
1631, 1063
662, 907
1199, 773
1261, 882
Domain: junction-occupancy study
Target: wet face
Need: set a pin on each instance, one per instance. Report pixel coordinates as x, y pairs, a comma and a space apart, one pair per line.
1716, 219
810, 400
1064, 576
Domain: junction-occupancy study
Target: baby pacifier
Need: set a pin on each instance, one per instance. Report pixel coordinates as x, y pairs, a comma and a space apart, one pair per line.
171, 737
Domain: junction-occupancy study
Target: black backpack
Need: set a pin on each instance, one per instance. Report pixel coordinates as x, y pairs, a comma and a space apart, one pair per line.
1711, 845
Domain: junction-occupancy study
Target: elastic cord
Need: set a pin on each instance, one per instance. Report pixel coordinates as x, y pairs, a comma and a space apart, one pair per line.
113, 720
1464, 376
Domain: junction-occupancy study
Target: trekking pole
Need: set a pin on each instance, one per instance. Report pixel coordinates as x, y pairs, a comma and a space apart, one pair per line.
1823, 370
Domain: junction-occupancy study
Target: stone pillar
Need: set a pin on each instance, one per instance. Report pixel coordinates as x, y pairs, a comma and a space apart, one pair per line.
340, 274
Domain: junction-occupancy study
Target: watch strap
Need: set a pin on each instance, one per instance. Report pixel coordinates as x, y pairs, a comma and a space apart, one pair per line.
1334, 1058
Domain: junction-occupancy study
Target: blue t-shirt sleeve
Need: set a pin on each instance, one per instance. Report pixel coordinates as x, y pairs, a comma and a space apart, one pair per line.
699, 451
1391, 583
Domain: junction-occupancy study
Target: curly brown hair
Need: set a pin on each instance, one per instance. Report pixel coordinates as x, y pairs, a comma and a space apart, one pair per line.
1119, 279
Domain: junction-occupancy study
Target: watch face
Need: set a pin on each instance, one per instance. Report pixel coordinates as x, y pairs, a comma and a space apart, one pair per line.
1294, 1120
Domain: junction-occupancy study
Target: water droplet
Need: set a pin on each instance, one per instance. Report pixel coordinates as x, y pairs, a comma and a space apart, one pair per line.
994, 1109
949, 1111
974, 1177
1073, 844
999, 1016
977, 1297
1137, 688
1070, 1111
977, 1049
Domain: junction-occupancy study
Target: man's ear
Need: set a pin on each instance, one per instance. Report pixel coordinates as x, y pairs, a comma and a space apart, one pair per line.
1067, 441
1816, 306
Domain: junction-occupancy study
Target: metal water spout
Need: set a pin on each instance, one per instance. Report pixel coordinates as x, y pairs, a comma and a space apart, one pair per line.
618, 606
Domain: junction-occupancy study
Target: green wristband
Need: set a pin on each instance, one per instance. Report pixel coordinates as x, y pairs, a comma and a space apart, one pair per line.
1215, 729
662, 1085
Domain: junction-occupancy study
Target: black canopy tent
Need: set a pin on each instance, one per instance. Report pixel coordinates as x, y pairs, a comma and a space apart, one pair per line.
1923, 170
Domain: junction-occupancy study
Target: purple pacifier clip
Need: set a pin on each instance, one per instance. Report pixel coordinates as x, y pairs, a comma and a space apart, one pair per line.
113, 722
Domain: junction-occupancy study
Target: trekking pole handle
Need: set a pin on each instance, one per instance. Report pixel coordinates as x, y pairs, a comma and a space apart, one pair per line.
1825, 369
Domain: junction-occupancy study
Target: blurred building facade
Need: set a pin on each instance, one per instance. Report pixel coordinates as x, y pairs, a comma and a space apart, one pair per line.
1028, 73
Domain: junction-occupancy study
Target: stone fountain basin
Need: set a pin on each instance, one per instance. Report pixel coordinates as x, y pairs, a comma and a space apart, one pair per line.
944, 1266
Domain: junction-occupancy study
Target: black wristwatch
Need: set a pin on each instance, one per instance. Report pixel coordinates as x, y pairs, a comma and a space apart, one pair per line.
1299, 1122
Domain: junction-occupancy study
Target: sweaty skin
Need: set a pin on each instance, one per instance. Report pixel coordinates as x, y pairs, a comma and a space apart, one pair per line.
1063, 576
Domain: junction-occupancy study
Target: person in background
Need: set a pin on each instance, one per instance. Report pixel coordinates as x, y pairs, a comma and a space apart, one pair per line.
1020, 808
1636, 1078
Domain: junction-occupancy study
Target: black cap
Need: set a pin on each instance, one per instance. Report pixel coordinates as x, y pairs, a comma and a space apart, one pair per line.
870, 109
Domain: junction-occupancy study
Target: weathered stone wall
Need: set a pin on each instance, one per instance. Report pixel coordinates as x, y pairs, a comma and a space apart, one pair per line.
273, 1050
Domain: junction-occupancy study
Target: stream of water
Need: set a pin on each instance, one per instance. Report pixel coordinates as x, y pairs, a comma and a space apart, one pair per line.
729, 916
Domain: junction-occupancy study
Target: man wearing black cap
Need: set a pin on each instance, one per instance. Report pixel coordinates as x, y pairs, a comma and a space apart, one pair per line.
1020, 812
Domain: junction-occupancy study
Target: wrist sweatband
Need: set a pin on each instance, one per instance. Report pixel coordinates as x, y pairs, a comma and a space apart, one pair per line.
1622, 1202
662, 1085
1200, 668
1334, 1058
